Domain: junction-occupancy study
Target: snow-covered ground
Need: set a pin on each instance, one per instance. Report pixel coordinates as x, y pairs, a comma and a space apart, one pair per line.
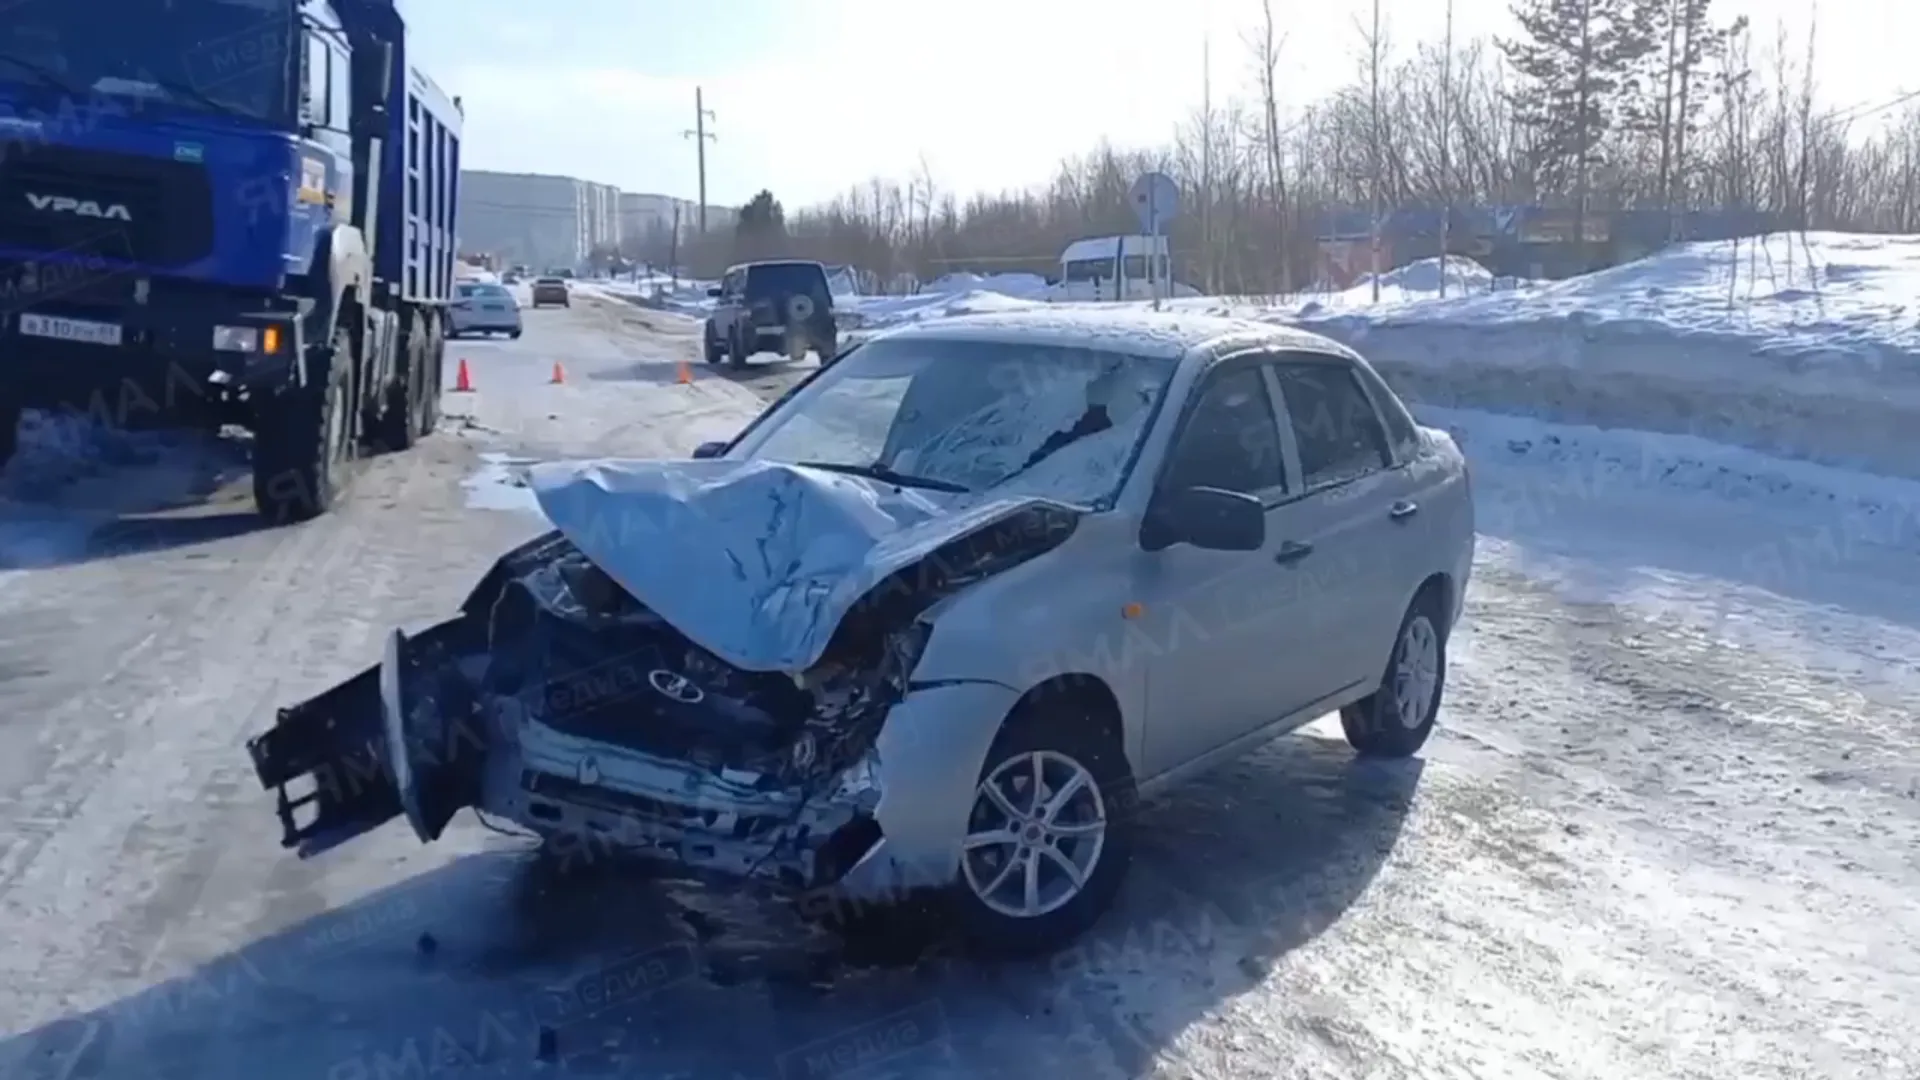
1666, 830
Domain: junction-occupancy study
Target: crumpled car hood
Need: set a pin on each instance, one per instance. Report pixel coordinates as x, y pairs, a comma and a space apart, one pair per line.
754, 561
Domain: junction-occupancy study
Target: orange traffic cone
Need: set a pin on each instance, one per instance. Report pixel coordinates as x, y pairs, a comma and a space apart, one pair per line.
463, 382
559, 374
685, 375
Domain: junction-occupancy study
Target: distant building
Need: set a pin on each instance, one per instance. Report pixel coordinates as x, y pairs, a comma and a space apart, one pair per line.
643, 215
542, 221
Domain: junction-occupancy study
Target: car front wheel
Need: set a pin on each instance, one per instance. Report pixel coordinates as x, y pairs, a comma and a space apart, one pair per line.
1396, 719
1049, 834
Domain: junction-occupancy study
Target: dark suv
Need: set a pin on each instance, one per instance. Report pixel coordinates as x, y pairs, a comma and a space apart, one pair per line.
777, 305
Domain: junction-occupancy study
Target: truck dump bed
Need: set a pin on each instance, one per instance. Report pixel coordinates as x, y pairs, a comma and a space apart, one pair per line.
420, 168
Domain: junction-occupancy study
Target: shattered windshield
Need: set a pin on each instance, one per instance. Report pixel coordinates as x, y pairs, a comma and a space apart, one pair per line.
1049, 420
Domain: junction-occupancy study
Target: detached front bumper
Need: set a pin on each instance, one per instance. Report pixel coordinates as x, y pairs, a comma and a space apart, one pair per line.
402, 740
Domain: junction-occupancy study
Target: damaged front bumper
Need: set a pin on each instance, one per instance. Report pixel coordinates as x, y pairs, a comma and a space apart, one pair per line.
569, 716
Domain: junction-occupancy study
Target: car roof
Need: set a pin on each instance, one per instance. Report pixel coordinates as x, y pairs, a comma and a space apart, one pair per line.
779, 262
1171, 334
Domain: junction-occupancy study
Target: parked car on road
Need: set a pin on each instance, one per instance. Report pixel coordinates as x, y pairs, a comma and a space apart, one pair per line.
484, 308
551, 290
782, 305
933, 623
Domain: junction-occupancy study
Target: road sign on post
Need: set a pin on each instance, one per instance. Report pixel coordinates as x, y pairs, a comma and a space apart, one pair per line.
1156, 198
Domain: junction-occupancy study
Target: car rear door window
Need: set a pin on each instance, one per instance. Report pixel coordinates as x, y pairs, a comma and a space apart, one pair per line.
1338, 433
1230, 439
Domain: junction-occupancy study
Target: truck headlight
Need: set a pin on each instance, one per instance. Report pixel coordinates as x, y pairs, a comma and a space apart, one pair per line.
244, 339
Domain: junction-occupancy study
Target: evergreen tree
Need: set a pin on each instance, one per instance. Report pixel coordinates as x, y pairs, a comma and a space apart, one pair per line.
1578, 62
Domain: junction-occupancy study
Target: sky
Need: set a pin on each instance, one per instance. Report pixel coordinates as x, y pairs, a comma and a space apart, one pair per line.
811, 97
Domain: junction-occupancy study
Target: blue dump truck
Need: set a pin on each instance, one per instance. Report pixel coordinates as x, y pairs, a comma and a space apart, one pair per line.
220, 212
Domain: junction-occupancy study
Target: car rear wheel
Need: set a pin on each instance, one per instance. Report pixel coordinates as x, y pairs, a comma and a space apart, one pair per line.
1396, 719
1049, 834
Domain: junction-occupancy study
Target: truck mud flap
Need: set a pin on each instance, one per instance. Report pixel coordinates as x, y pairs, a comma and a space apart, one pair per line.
376, 747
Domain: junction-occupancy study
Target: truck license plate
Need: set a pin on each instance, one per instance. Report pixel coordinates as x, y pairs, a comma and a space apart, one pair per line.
82, 330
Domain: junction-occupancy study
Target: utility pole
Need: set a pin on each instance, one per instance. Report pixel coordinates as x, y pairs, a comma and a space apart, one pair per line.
1446, 137
1373, 61
673, 251
701, 136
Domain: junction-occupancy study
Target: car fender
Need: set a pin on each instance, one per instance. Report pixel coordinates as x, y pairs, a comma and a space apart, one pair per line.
997, 630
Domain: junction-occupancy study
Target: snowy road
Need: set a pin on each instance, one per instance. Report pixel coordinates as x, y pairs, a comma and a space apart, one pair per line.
1668, 828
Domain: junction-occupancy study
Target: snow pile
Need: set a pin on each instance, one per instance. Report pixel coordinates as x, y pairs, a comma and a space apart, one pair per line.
1801, 345
1023, 286
873, 313
1418, 280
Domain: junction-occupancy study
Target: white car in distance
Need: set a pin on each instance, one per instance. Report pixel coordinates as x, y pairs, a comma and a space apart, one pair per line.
481, 307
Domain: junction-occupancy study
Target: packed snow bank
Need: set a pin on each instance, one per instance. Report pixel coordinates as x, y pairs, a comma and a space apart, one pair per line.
1023, 286
1802, 345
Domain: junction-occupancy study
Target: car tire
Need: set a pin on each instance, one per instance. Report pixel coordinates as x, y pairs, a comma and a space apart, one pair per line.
715, 351
737, 351
1395, 720
1073, 746
513, 335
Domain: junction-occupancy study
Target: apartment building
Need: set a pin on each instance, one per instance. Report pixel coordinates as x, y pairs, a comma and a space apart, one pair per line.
542, 221
643, 215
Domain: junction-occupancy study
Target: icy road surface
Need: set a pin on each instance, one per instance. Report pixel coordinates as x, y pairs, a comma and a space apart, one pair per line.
1668, 828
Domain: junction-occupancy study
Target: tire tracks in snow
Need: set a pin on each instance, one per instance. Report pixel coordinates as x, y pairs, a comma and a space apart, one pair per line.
118, 801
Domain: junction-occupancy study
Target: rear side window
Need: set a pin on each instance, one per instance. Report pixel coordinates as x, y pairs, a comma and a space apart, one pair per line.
1339, 434
787, 278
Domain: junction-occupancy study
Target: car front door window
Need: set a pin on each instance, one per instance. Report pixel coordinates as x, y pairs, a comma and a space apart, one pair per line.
1335, 426
1230, 439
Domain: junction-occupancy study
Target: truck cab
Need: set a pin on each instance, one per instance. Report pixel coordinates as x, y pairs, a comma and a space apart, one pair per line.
190, 212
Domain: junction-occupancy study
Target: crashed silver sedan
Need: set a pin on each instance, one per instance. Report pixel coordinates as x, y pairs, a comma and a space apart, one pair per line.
932, 623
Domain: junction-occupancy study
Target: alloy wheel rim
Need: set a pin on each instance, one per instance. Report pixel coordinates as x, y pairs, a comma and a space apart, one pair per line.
1416, 673
1036, 832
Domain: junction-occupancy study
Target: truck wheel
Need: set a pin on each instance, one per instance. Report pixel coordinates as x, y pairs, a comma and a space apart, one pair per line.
400, 406
715, 351
738, 350
430, 386
301, 440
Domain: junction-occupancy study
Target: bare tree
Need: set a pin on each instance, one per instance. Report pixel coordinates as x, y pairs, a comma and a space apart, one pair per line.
1266, 54
1376, 133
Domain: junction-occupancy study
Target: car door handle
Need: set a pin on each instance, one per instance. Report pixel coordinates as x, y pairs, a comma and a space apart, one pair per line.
1403, 510
1292, 551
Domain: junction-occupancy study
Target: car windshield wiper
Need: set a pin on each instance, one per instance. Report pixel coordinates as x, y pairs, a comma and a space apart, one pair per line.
44, 74
880, 472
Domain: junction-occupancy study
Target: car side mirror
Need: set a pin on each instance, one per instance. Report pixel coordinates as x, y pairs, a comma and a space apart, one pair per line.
1212, 519
709, 450
714, 292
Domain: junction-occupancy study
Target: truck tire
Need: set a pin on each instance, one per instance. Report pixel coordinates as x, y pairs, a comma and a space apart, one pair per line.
400, 417
302, 438
432, 386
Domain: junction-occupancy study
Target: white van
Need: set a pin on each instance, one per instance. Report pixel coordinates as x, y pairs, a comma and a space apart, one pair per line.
1116, 268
